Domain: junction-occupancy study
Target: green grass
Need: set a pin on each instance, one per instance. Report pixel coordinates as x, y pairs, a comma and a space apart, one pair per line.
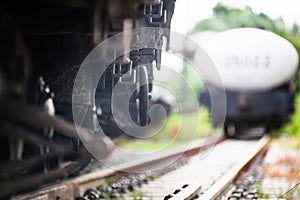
293, 127
178, 129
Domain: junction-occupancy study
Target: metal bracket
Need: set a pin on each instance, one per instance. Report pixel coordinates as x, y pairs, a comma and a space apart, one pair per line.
155, 14
124, 71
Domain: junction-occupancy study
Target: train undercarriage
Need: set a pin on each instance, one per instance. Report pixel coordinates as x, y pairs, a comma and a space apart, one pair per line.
43, 44
250, 115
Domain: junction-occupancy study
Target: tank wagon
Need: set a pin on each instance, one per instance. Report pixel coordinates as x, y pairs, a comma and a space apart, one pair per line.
258, 69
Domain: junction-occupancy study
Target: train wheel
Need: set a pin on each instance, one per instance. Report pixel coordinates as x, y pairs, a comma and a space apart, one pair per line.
230, 130
138, 106
142, 100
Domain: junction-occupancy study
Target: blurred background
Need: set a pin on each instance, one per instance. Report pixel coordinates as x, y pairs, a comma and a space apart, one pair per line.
177, 83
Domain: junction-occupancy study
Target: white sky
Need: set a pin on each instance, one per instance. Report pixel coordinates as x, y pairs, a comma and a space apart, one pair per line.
189, 12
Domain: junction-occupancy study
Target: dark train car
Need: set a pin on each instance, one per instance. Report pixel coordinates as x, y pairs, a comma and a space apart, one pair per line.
258, 70
43, 45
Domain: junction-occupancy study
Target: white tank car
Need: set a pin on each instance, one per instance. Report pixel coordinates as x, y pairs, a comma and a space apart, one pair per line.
257, 68
250, 59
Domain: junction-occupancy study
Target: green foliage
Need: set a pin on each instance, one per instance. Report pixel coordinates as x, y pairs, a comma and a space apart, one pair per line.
227, 18
292, 128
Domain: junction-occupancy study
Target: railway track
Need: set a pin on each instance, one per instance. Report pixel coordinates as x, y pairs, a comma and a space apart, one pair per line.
201, 172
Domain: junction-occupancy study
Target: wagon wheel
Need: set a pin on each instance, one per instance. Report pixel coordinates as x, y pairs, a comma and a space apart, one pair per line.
142, 100
139, 101
231, 130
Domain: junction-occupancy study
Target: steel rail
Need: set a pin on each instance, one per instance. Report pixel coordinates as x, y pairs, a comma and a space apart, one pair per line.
76, 186
219, 186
